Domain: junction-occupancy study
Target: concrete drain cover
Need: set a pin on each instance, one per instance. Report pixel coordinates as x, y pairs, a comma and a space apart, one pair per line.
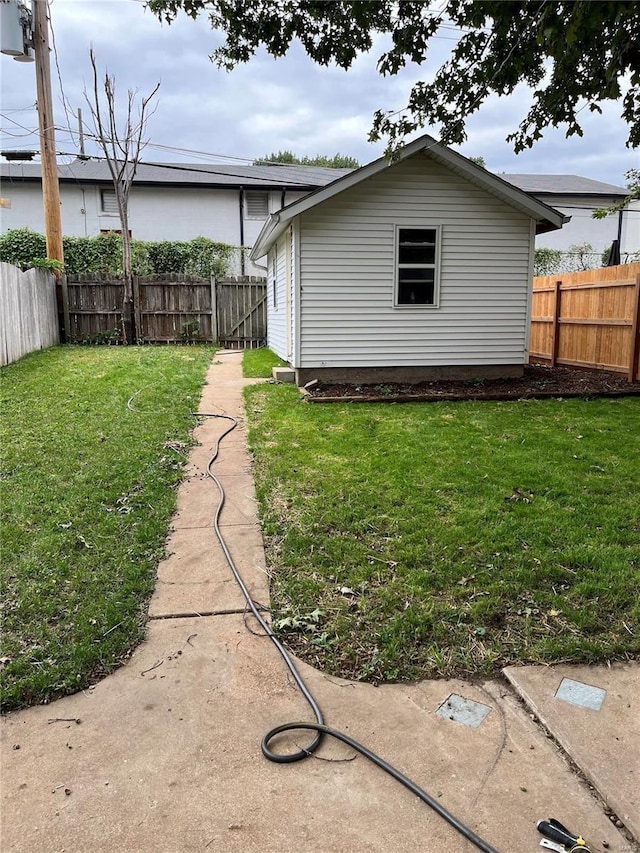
578, 693
464, 711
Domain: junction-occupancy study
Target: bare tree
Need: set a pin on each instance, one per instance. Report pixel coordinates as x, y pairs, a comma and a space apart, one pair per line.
122, 152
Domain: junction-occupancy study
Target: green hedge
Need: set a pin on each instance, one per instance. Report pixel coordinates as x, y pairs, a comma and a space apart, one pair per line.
199, 257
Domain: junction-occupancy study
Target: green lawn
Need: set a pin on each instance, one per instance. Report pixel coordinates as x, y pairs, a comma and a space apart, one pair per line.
257, 363
422, 540
87, 489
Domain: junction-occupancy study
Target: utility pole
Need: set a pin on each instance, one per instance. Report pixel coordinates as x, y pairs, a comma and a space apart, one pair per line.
81, 155
49, 164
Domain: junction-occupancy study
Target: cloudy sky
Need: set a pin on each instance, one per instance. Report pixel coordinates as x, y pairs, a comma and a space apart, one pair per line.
266, 105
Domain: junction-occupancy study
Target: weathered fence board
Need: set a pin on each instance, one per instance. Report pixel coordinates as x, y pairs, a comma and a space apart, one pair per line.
169, 308
173, 309
588, 319
93, 307
28, 312
242, 312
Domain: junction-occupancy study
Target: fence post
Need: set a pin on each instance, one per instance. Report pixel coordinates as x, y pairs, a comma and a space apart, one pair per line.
555, 335
214, 311
62, 299
634, 348
137, 312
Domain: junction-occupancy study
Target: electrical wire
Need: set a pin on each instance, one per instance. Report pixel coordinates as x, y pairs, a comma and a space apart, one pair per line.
318, 727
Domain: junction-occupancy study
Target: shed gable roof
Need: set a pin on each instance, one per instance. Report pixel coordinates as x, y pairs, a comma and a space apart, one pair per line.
547, 218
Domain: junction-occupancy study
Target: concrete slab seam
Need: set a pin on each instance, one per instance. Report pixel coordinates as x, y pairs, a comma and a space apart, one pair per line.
582, 775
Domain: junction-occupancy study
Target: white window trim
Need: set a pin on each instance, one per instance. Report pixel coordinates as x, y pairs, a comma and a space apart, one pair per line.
396, 266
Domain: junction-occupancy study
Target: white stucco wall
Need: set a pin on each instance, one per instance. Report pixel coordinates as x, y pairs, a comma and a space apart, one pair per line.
583, 228
155, 213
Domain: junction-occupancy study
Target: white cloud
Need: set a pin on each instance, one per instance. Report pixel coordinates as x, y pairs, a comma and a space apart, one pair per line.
269, 105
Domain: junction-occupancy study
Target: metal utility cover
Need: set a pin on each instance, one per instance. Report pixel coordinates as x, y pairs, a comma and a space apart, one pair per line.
578, 693
465, 711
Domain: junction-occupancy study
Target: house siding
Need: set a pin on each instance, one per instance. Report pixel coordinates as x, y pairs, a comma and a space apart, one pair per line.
347, 270
277, 315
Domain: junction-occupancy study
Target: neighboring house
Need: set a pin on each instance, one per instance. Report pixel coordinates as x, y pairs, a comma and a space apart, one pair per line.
178, 202
420, 268
229, 204
578, 197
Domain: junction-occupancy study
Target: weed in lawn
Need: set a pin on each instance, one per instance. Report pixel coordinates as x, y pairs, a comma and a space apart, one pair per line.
474, 534
87, 493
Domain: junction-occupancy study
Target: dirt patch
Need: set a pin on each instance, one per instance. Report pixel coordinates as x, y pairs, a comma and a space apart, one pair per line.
538, 382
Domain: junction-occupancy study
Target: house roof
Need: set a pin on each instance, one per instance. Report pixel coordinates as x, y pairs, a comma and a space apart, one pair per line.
178, 174
546, 218
275, 177
564, 185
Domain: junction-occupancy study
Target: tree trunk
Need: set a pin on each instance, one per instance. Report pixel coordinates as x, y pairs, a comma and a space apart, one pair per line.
128, 324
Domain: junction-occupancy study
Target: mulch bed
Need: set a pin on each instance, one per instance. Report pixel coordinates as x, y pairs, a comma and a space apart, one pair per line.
538, 382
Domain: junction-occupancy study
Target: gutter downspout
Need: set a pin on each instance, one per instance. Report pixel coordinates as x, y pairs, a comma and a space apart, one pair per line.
620, 212
241, 212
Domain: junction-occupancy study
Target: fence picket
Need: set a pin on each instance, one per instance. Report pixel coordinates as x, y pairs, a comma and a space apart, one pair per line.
588, 319
28, 312
169, 308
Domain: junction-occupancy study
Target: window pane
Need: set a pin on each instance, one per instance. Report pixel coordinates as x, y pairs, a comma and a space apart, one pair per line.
416, 287
417, 254
406, 275
418, 236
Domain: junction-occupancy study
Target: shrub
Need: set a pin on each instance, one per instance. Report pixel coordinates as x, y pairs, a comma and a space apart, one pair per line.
199, 257
21, 246
547, 261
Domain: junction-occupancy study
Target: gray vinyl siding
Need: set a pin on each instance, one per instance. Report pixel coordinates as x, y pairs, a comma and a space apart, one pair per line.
347, 271
277, 316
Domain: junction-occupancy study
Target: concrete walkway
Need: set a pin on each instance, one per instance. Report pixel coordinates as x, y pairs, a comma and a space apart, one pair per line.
164, 755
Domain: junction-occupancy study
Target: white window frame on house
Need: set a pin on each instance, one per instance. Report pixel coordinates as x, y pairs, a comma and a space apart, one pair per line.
403, 264
256, 204
108, 202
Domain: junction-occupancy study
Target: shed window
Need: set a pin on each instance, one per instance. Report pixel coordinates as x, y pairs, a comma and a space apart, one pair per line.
109, 202
257, 205
417, 266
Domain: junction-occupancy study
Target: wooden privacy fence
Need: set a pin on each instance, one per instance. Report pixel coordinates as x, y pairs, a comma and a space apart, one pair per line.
167, 308
588, 319
28, 313
241, 310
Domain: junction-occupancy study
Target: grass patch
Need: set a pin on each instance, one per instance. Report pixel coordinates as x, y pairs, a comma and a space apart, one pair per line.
413, 541
87, 492
257, 363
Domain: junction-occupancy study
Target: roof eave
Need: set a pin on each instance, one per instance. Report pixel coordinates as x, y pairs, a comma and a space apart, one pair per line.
269, 233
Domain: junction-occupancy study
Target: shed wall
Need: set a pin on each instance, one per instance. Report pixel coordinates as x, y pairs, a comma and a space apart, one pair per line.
347, 258
277, 313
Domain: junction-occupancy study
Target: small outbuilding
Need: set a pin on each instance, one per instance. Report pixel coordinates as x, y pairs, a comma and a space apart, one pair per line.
404, 270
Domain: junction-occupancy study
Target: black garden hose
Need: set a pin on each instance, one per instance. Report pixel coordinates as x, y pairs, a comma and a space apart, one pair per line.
318, 726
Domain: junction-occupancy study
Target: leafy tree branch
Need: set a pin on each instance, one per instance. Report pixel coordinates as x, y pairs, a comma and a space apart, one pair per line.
633, 185
573, 54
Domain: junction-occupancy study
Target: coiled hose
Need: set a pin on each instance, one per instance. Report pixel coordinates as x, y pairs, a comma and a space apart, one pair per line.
318, 727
